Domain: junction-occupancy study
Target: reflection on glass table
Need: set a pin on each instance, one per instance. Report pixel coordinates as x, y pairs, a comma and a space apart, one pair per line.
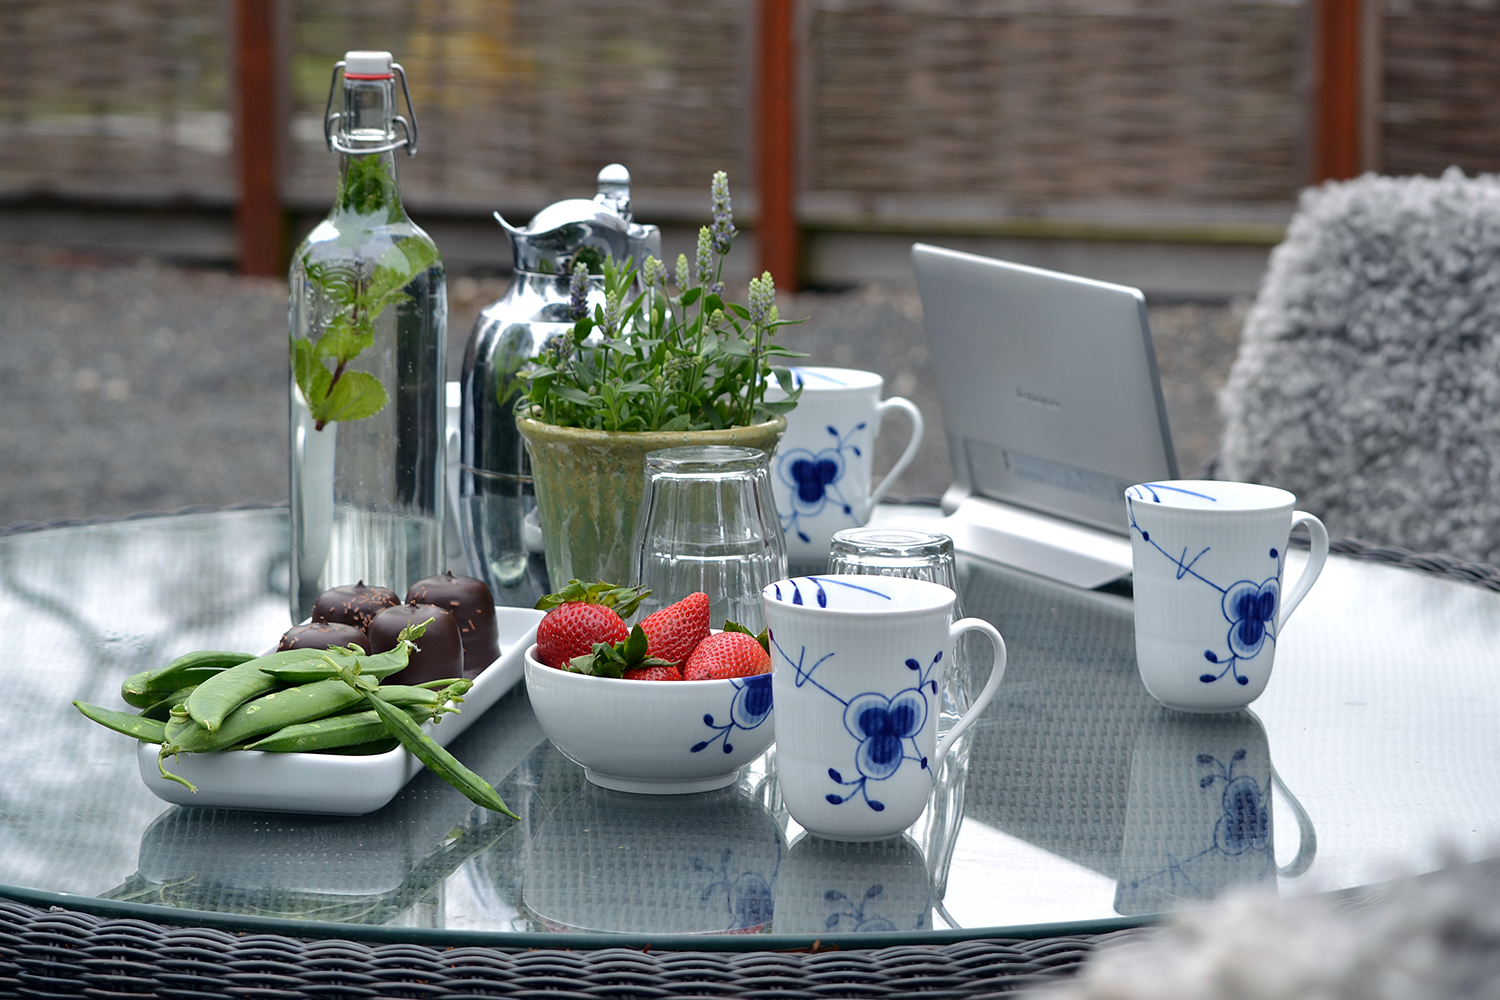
1075, 798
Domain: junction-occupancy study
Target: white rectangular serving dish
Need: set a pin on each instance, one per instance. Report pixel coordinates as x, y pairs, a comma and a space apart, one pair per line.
329, 783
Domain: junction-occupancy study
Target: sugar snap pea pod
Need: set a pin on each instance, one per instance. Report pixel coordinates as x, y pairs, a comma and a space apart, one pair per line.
438, 760
348, 730
270, 712
148, 687
162, 710
376, 665
222, 693
415, 695
150, 730
177, 724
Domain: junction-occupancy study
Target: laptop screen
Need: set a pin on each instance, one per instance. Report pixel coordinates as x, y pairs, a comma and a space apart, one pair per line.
1050, 393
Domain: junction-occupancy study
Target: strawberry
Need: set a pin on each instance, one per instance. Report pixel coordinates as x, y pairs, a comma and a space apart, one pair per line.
728, 654
675, 631
665, 672
580, 616
571, 630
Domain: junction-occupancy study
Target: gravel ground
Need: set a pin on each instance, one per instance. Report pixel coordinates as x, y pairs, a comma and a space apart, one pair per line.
125, 389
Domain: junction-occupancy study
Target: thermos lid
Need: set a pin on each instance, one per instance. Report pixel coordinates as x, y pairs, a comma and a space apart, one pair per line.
584, 229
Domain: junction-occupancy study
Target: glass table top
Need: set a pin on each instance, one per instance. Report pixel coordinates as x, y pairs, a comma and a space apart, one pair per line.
1074, 798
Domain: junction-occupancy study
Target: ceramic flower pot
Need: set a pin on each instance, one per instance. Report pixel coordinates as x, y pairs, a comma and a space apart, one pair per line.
589, 484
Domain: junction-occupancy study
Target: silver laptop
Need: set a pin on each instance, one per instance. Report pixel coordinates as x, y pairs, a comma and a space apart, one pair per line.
1051, 398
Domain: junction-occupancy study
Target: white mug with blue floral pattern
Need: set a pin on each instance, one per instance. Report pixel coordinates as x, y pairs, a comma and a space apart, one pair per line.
856, 666
822, 469
1209, 602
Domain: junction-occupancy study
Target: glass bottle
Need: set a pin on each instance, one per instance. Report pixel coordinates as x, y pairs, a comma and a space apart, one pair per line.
369, 317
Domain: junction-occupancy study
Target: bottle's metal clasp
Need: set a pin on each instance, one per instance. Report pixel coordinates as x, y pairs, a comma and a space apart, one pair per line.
331, 119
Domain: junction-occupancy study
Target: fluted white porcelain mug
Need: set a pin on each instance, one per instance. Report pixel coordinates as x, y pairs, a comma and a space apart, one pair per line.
856, 666
1207, 564
822, 469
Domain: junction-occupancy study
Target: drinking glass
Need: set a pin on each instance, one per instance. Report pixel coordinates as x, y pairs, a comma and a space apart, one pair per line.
927, 555
708, 522
915, 555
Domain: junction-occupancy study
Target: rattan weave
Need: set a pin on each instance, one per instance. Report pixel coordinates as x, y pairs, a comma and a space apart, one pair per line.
62, 953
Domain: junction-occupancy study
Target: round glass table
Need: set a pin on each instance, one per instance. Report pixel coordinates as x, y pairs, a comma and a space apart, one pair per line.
1075, 805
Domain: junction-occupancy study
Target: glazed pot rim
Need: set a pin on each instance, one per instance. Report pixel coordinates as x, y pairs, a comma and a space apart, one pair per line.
539, 429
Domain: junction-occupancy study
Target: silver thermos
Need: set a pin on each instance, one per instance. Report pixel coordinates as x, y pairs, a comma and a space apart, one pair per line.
495, 492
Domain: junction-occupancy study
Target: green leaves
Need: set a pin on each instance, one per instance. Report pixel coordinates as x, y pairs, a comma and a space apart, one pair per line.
608, 660
664, 362
354, 396
624, 600
358, 295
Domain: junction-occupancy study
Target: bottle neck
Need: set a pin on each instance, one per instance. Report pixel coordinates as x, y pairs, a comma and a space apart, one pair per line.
367, 181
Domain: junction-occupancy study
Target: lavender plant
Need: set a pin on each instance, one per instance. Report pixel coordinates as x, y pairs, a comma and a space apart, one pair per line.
665, 359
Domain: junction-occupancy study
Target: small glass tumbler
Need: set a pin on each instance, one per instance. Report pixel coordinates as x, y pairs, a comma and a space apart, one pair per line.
916, 555
708, 522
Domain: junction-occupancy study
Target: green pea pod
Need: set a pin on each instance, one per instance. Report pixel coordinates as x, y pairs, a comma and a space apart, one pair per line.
149, 730
144, 689
438, 760
375, 665
222, 693
410, 695
162, 710
268, 713
348, 730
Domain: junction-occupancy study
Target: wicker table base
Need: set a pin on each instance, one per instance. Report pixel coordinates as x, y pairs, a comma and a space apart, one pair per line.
64, 953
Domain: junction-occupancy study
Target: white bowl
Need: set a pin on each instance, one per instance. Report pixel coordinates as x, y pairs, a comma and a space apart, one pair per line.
658, 737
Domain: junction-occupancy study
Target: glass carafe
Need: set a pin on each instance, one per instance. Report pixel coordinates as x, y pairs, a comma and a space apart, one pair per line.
369, 318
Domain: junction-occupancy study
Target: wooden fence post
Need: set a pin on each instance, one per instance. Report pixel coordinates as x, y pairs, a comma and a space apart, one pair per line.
258, 215
775, 144
1337, 103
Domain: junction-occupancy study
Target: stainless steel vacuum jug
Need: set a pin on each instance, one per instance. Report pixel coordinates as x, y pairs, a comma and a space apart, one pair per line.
495, 491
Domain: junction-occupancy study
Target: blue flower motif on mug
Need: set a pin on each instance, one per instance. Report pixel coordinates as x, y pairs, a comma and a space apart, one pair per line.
751, 707
812, 479
1251, 610
881, 725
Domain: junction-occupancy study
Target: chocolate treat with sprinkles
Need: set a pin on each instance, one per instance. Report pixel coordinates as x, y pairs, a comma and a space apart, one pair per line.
355, 605
470, 602
321, 635
439, 652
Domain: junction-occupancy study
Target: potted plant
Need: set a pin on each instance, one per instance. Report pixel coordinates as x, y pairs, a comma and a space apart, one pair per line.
653, 367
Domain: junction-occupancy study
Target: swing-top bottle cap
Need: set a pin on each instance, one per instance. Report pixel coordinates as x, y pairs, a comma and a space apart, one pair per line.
367, 66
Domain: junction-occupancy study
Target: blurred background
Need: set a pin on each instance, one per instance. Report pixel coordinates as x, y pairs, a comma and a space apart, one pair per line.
160, 158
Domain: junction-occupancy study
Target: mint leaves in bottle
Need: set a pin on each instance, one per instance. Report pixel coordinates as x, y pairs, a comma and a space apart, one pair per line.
368, 317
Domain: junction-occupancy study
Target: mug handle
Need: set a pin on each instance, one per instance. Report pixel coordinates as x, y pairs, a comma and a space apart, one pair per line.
1314, 565
917, 426
997, 671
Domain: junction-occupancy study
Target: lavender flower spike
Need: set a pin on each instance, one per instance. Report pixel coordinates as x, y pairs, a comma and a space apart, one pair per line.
723, 231
612, 311
578, 292
653, 272
762, 300
705, 256
684, 276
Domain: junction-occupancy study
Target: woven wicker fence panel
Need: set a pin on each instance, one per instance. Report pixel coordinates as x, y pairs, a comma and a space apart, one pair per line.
1440, 85
124, 99
1052, 101
524, 102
